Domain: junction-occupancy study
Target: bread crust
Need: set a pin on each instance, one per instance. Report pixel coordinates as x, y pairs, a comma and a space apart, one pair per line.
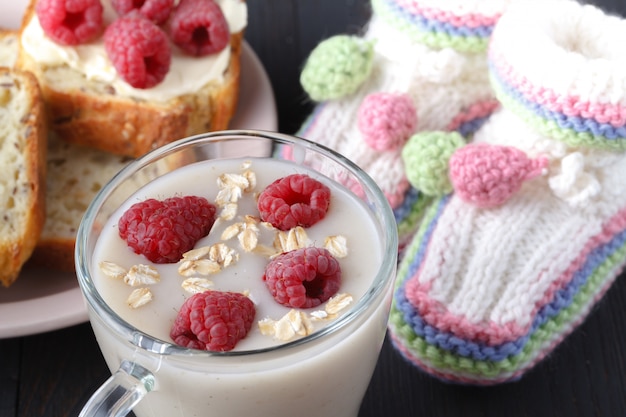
98, 118
14, 252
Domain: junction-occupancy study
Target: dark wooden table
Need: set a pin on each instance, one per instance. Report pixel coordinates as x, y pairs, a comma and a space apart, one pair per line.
52, 374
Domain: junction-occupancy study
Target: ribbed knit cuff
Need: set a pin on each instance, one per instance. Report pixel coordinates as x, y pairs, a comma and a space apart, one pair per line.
565, 77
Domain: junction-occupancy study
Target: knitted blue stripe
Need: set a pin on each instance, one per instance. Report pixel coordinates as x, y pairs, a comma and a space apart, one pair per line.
576, 123
470, 127
479, 351
411, 197
435, 26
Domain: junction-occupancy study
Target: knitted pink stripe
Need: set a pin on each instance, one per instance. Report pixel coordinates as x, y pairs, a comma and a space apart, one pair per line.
478, 380
396, 197
475, 111
614, 114
491, 333
471, 20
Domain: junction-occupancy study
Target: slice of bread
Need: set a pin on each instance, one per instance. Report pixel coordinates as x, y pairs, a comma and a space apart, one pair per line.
90, 113
74, 174
23, 138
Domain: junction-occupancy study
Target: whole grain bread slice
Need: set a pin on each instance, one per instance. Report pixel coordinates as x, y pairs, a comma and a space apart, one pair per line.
23, 148
90, 113
74, 174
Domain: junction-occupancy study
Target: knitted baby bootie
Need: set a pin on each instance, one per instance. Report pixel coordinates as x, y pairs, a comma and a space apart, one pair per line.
421, 65
533, 231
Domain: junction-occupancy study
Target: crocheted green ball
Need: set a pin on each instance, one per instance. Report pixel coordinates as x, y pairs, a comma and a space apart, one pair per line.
337, 67
426, 157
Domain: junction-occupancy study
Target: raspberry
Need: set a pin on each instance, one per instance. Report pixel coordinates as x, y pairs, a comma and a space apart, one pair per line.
199, 27
303, 278
156, 10
70, 22
213, 320
294, 200
139, 50
163, 230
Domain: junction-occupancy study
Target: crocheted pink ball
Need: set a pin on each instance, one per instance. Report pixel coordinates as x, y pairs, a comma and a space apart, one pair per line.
488, 175
387, 120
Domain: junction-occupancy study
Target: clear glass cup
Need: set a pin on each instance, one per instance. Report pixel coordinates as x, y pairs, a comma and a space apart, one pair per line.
325, 373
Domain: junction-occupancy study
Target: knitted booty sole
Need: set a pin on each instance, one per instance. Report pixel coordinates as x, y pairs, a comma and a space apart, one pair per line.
493, 281
499, 318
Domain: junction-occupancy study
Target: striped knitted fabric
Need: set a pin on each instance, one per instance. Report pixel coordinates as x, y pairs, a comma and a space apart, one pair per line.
494, 281
420, 65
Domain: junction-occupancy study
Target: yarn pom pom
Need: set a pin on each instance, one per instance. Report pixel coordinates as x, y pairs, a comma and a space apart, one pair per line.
426, 157
337, 67
488, 175
386, 120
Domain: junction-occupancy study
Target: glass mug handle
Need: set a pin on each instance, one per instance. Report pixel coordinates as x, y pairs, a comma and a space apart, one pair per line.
121, 392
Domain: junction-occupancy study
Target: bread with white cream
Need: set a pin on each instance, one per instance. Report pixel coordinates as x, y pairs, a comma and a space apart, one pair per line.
88, 104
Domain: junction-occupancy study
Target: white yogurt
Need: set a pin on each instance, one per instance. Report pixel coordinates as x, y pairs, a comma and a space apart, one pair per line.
327, 376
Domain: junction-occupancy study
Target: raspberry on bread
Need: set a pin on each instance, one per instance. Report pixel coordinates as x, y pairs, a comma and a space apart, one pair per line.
156, 10
199, 27
23, 138
70, 23
93, 113
132, 39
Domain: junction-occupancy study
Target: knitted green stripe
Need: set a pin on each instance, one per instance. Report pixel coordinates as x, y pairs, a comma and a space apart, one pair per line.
435, 40
550, 128
445, 361
415, 215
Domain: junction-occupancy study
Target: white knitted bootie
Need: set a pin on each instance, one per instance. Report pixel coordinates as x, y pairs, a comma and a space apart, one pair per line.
534, 230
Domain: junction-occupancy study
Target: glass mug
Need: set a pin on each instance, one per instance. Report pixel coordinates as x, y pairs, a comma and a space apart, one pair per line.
324, 373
